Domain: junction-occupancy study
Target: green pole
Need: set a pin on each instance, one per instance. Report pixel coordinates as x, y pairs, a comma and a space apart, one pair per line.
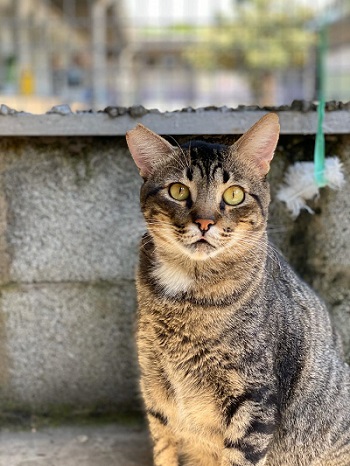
319, 152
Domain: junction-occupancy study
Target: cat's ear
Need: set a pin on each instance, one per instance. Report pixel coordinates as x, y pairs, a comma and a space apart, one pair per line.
258, 144
147, 148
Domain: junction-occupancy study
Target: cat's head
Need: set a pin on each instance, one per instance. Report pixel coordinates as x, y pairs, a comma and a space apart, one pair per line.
201, 200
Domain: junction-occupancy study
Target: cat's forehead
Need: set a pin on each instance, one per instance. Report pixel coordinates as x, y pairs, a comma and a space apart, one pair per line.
203, 152
212, 161
204, 164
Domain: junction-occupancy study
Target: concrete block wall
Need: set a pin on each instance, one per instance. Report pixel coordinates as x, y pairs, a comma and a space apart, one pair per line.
328, 252
69, 231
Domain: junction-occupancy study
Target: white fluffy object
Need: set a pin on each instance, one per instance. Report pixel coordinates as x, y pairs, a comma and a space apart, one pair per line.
300, 184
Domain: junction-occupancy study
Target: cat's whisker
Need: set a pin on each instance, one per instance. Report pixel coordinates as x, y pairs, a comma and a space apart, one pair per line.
278, 228
186, 157
160, 222
255, 241
180, 162
143, 245
277, 225
176, 170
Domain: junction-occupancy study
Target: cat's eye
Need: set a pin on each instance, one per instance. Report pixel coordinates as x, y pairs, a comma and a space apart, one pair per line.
179, 191
234, 195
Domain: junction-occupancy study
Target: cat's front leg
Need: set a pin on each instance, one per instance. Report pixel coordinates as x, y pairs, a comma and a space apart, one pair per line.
251, 423
164, 445
158, 405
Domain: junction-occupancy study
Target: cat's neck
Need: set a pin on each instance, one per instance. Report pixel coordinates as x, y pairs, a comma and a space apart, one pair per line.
223, 275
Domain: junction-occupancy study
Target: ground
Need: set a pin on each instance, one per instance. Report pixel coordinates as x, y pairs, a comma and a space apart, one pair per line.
74, 445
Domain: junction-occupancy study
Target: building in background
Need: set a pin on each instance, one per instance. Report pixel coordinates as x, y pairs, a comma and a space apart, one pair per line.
54, 51
95, 53
338, 58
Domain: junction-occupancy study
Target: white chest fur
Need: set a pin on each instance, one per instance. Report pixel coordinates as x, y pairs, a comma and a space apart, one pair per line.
172, 278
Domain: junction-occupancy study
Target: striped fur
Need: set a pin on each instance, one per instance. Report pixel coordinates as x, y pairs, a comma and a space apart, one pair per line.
239, 361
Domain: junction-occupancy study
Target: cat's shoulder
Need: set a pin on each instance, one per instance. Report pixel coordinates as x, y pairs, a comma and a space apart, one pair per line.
285, 280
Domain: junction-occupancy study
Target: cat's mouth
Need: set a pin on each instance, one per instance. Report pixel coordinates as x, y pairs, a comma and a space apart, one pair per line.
202, 245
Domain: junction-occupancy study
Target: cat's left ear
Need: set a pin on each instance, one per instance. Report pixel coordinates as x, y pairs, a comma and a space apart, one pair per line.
147, 148
258, 144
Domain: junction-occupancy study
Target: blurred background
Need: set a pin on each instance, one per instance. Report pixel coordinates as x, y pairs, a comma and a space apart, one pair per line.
169, 54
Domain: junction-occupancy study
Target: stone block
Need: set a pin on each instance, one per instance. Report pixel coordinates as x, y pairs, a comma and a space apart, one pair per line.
70, 344
72, 216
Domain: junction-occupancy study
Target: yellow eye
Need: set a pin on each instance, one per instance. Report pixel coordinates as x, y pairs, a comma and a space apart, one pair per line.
179, 192
234, 195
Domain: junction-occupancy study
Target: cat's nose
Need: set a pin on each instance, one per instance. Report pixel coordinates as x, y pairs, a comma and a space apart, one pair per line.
204, 223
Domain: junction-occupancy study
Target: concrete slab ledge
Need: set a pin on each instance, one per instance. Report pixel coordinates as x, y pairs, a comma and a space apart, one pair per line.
70, 445
115, 121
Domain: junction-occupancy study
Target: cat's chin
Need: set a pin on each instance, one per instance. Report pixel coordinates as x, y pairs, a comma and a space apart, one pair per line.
201, 250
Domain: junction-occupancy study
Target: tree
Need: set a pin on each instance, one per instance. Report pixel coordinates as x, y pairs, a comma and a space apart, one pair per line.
263, 37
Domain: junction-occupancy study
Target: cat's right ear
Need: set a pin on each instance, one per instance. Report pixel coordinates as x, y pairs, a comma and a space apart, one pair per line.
147, 148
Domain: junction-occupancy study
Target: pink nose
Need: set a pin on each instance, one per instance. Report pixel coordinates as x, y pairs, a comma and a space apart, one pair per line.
204, 223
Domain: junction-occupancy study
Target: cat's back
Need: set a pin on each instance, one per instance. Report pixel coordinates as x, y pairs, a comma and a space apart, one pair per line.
314, 379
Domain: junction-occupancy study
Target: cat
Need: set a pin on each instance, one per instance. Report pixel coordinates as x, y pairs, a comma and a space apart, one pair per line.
239, 362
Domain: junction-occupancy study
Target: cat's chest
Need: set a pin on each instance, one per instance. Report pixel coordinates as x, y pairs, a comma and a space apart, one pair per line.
192, 354
192, 345
194, 368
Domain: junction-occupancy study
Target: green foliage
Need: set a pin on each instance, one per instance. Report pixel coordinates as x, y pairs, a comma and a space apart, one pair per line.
264, 35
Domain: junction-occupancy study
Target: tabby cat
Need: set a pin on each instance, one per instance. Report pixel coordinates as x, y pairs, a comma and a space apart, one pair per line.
240, 365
